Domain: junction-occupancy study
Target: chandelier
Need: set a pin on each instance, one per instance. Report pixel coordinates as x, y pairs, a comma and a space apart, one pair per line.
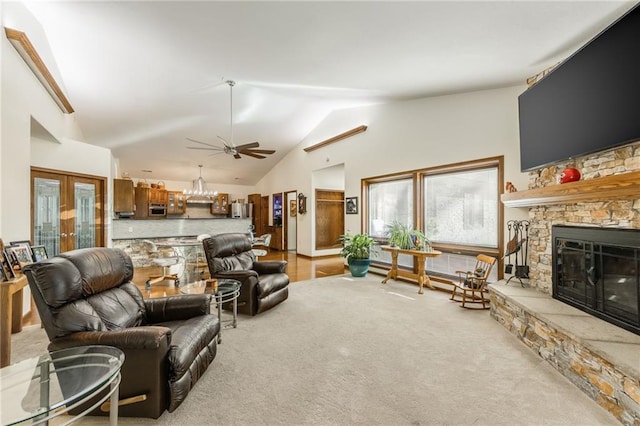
199, 193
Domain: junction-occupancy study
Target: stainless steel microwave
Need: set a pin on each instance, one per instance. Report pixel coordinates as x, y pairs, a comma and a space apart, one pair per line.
157, 209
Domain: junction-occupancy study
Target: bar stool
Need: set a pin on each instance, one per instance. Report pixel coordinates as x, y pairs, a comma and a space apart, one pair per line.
166, 258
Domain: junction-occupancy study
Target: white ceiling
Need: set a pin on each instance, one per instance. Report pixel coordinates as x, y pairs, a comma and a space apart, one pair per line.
144, 76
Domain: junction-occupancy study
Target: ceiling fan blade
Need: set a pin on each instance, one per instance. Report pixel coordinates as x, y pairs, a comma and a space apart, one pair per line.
236, 156
248, 145
201, 143
263, 151
207, 149
251, 154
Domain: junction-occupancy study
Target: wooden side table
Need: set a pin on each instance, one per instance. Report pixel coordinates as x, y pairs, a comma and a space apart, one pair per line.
10, 314
420, 256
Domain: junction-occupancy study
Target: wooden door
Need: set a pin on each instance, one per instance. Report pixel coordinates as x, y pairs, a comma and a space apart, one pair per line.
254, 199
67, 210
329, 218
264, 215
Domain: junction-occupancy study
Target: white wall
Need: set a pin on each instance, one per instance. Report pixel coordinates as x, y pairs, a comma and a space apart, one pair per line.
23, 98
405, 136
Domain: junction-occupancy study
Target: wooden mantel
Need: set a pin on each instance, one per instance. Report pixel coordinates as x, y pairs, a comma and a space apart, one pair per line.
624, 186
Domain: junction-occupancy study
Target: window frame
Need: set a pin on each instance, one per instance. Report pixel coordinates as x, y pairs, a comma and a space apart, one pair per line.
419, 219
384, 179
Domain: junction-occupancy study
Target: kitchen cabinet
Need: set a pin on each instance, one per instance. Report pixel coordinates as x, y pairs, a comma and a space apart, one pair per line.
151, 203
176, 202
220, 204
123, 196
157, 196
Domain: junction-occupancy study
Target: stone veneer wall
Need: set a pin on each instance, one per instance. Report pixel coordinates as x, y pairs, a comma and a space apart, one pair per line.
612, 387
605, 213
614, 390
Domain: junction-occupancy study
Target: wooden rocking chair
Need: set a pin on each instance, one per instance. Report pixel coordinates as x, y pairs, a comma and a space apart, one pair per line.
471, 287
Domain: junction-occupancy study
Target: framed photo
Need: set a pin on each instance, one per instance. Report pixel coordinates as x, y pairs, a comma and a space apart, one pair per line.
20, 255
293, 208
11, 260
7, 268
22, 243
351, 205
39, 253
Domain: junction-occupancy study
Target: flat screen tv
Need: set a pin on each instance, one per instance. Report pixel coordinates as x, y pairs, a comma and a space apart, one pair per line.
588, 103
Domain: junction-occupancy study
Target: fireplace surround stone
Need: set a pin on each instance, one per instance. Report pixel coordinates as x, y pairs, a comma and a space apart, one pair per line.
601, 359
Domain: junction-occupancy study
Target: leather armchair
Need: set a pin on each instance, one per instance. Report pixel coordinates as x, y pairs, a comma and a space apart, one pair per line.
264, 284
86, 297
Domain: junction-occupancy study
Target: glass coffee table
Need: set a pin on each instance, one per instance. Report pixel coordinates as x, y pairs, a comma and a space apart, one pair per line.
38, 389
228, 291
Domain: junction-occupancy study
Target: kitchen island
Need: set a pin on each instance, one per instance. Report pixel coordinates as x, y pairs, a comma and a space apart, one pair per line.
135, 236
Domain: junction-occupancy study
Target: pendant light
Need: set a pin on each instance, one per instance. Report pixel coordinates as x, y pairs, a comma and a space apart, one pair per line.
199, 193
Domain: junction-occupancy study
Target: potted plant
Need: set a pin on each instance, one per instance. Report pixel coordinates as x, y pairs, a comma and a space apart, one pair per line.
357, 252
400, 235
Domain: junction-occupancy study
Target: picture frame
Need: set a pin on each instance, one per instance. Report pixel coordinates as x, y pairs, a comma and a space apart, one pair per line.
20, 254
22, 243
293, 208
11, 262
39, 253
5, 265
7, 270
351, 205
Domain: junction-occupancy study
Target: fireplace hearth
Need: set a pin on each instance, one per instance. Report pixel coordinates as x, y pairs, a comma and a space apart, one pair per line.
597, 270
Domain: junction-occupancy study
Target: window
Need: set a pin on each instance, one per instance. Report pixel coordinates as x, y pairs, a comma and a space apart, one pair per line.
457, 206
389, 201
462, 207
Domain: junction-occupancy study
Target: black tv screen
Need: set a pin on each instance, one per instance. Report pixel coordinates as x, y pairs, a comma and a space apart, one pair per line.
589, 103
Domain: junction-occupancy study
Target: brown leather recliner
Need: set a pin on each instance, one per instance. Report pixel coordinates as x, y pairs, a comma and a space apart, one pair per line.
86, 297
264, 284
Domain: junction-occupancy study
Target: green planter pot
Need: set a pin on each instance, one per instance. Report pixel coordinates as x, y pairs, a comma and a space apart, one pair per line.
359, 267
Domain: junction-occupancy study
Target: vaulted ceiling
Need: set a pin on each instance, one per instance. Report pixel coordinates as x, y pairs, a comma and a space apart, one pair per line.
145, 76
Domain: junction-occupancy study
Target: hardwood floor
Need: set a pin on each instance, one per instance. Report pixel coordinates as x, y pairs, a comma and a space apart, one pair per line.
299, 268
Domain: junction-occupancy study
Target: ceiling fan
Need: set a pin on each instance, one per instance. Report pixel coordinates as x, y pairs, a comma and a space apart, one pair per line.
229, 147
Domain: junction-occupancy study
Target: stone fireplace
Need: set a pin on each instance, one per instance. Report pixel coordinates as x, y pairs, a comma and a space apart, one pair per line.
601, 358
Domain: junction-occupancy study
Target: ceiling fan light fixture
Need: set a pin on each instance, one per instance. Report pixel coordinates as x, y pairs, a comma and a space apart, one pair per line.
199, 193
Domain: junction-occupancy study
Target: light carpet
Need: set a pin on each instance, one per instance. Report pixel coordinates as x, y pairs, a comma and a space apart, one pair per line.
351, 351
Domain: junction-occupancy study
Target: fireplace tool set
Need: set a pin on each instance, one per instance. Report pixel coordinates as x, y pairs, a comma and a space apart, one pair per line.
518, 247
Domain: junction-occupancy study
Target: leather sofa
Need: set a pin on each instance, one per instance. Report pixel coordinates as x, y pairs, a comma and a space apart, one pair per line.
264, 284
86, 297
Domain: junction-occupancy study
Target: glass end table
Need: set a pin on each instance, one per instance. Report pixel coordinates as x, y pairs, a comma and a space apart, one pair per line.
228, 291
43, 387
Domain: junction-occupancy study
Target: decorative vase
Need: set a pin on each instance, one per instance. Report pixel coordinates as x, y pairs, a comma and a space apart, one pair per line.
570, 174
359, 267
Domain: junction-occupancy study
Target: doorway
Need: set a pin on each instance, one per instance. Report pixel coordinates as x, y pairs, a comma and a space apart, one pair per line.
67, 210
290, 229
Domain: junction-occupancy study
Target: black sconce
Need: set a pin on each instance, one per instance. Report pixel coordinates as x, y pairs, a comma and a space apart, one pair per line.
302, 203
